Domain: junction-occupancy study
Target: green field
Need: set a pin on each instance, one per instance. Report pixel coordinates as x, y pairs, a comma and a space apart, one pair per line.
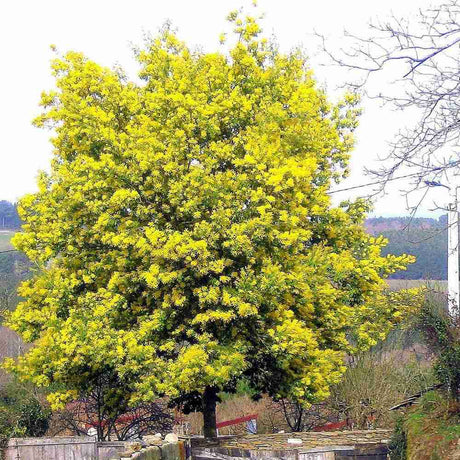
5, 237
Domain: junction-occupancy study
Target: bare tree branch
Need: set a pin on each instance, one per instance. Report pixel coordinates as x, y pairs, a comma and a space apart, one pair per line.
425, 52
109, 412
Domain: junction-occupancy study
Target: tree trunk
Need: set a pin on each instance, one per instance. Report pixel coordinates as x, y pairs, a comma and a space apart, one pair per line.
209, 412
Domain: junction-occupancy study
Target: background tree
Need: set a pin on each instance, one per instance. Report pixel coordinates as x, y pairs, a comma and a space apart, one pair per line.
105, 407
23, 411
9, 218
185, 233
14, 268
300, 418
422, 54
441, 331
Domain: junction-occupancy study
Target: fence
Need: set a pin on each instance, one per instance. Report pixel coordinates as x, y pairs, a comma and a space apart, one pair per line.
61, 448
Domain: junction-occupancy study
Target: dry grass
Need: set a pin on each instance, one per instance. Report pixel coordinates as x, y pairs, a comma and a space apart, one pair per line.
375, 382
435, 285
270, 419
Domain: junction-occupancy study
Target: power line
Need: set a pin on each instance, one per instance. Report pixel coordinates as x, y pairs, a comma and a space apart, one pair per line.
8, 250
382, 181
354, 187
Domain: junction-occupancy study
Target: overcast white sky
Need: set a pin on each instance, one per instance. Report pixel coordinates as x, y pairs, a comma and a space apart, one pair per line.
104, 29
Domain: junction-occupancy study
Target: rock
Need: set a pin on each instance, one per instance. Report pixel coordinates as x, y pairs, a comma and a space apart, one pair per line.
170, 451
159, 435
171, 437
153, 440
294, 441
130, 448
92, 432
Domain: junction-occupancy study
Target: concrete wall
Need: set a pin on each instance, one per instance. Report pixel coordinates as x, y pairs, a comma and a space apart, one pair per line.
331, 453
371, 452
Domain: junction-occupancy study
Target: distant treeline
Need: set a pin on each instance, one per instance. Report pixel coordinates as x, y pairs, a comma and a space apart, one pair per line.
422, 237
9, 218
376, 224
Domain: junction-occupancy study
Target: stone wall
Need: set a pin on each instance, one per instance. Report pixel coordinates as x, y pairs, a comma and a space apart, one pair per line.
171, 451
343, 445
154, 448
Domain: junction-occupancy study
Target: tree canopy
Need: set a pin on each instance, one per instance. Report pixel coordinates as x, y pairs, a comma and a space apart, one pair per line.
185, 232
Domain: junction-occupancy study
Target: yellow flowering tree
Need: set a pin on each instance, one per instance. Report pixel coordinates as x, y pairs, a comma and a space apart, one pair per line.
185, 236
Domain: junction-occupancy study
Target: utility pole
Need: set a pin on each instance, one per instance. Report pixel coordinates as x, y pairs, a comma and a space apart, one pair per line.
453, 282
453, 251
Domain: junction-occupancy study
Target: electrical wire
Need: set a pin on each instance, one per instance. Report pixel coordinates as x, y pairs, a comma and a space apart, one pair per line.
383, 181
373, 183
355, 187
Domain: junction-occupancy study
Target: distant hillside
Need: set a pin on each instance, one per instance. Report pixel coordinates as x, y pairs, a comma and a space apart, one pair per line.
375, 225
14, 268
9, 218
422, 237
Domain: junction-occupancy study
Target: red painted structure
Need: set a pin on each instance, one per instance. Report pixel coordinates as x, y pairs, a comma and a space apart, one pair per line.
331, 426
122, 419
236, 421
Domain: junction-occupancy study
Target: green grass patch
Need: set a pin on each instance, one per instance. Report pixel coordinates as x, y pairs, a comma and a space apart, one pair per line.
5, 240
433, 427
